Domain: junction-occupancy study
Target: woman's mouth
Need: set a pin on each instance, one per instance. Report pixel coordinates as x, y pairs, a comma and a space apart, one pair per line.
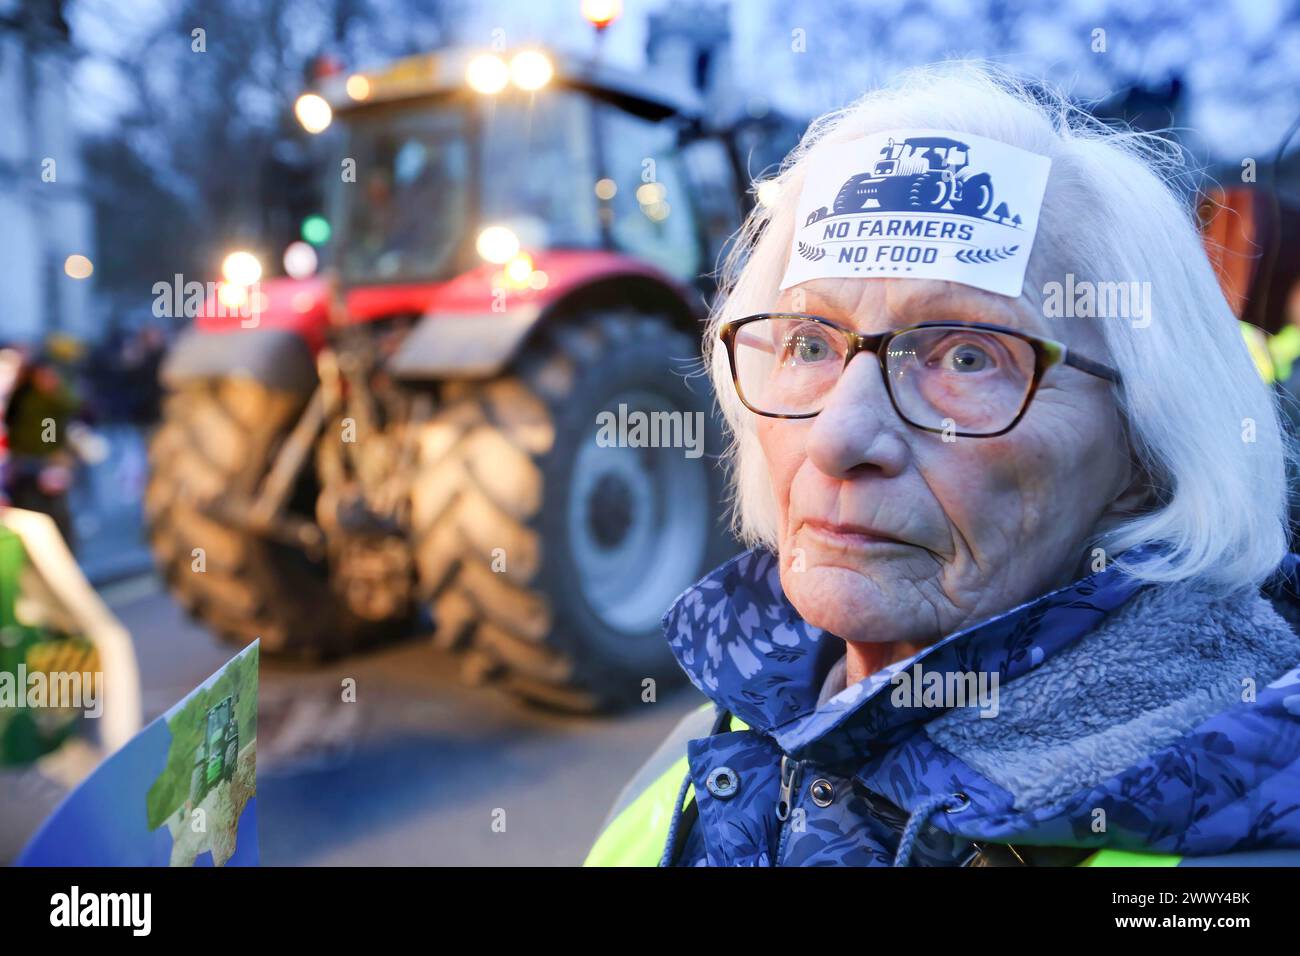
852, 536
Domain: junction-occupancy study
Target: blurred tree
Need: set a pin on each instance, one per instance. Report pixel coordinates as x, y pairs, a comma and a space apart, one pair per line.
126, 195
207, 110
1239, 61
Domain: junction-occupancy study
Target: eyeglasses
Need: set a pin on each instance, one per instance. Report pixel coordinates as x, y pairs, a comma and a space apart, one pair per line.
966, 379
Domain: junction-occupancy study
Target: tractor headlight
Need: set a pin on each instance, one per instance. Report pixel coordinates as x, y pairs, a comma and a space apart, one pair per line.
313, 112
497, 244
519, 269
241, 268
487, 73
531, 70
231, 296
358, 86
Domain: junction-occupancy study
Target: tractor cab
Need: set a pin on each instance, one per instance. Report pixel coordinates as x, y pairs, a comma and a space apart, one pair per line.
218, 719
920, 155
450, 160
218, 751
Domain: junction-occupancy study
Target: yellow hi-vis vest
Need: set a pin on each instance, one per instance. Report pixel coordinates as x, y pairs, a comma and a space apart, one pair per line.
636, 830
1271, 355
1284, 350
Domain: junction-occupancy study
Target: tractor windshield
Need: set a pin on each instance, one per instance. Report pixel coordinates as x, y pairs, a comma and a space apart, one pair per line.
431, 173
407, 210
539, 168
216, 726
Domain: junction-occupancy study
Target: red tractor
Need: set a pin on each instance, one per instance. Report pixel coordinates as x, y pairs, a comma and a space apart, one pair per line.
515, 252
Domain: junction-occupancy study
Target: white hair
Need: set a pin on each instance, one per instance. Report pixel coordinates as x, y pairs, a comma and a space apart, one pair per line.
1202, 425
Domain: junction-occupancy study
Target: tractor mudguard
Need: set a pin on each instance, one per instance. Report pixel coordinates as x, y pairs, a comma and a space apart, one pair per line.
462, 345
464, 337
277, 358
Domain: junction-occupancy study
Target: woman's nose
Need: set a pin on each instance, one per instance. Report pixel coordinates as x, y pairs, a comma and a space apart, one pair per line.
857, 428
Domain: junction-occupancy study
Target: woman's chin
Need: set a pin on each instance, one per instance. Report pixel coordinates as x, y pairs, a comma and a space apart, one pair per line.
846, 602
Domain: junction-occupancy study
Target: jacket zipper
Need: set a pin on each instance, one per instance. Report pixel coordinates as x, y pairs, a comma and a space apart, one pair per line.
784, 804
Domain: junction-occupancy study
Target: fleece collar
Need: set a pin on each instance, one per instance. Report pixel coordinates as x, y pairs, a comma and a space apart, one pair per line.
1171, 658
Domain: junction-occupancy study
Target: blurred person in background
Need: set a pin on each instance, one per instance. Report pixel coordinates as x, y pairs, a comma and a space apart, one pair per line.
39, 411
1080, 523
136, 376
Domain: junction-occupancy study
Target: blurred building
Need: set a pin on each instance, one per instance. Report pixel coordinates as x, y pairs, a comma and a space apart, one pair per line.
44, 206
688, 48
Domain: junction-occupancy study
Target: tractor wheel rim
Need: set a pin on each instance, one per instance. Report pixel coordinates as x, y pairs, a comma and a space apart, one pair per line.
638, 520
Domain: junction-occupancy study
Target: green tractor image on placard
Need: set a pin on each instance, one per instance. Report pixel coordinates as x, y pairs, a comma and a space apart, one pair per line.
215, 758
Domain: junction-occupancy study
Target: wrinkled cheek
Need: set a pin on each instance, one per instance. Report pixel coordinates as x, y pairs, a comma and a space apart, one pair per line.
985, 493
782, 455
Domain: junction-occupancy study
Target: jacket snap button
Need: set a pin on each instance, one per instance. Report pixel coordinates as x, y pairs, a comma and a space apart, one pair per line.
723, 783
823, 794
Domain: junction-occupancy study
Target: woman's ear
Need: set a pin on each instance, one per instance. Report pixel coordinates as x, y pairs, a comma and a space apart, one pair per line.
1136, 489
1138, 492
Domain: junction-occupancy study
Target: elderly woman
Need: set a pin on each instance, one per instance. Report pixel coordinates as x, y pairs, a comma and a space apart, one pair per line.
1019, 593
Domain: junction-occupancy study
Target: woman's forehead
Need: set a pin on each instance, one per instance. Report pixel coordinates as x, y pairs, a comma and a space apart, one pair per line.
876, 305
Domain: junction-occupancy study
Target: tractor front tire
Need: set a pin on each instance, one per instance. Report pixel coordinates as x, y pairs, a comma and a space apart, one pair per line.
218, 438
549, 553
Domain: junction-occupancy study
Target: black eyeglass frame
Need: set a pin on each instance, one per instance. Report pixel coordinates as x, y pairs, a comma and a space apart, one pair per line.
1047, 353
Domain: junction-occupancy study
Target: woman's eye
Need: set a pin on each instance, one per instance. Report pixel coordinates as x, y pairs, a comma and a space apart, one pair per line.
966, 358
805, 348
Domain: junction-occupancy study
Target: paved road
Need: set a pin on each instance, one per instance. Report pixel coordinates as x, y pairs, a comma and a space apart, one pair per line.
415, 771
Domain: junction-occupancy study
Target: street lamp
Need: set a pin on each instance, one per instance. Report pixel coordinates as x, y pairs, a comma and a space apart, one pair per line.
601, 13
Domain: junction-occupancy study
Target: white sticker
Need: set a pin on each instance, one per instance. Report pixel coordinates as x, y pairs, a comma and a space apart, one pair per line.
919, 204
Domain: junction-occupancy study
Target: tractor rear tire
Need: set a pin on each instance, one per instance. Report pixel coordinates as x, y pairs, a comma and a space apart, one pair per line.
976, 196
549, 557
928, 191
217, 438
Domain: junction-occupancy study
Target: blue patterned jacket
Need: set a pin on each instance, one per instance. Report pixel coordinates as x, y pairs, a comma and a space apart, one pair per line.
1151, 718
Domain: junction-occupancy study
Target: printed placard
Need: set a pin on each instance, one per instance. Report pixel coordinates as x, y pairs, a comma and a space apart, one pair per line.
920, 204
182, 792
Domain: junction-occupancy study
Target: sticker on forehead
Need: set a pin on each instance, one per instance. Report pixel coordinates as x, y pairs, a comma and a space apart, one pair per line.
919, 204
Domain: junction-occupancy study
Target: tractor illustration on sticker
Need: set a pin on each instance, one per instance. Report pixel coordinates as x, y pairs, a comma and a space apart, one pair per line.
923, 173
217, 755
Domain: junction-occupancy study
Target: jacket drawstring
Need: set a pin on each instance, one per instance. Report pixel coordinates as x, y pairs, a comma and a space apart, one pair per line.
919, 817
670, 845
